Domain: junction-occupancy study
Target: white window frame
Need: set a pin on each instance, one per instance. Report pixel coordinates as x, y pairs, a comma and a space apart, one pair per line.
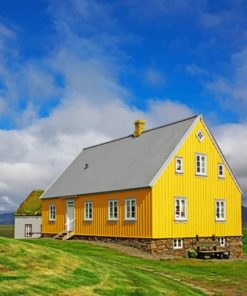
201, 173
87, 206
28, 230
180, 217
177, 243
222, 241
52, 212
128, 202
114, 209
177, 165
223, 170
219, 202
200, 136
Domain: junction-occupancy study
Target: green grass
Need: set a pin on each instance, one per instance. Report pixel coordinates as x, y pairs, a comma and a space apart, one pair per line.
45, 266
7, 231
31, 205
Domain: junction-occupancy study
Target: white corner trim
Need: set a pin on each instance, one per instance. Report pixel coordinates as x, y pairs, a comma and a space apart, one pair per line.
197, 119
222, 155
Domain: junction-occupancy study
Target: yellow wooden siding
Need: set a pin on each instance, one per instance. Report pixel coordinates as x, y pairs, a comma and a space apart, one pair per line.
53, 226
100, 226
201, 193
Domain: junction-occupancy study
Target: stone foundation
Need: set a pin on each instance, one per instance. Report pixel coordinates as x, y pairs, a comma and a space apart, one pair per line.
48, 235
165, 246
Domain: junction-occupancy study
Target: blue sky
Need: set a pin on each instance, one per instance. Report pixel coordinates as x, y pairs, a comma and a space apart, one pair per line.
74, 73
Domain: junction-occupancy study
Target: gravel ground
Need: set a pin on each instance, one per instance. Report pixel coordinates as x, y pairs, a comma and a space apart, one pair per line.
128, 250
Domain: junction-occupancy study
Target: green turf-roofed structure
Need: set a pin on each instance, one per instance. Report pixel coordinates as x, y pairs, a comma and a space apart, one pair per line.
28, 216
31, 206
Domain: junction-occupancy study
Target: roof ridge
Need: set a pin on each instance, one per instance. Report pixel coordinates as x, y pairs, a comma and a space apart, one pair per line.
145, 131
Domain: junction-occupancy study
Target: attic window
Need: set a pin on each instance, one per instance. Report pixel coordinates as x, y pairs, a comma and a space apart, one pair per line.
200, 136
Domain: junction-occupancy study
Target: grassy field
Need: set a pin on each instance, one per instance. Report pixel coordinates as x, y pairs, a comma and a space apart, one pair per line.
7, 231
45, 266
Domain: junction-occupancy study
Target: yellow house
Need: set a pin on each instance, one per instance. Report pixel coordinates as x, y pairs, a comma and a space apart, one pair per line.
156, 190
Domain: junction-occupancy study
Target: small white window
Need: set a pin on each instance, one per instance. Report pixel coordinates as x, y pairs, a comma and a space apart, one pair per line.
179, 165
221, 168
180, 209
113, 210
52, 212
222, 241
201, 164
177, 243
220, 210
200, 136
130, 209
88, 211
28, 230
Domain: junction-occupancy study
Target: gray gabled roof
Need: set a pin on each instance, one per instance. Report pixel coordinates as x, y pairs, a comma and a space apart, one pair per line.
125, 163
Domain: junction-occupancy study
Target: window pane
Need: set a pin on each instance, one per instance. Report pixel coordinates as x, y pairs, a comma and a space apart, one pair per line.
182, 208
128, 209
177, 208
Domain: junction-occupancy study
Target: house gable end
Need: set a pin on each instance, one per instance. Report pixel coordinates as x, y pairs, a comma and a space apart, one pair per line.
172, 155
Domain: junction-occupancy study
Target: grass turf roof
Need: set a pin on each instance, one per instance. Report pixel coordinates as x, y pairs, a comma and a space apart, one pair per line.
31, 206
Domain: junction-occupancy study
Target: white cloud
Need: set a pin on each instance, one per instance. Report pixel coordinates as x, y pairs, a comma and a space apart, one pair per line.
194, 69
154, 77
6, 32
232, 87
93, 107
6, 203
232, 139
32, 157
2, 105
210, 20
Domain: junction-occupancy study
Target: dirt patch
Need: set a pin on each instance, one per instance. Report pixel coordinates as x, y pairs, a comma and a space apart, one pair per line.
4, 269
128, 250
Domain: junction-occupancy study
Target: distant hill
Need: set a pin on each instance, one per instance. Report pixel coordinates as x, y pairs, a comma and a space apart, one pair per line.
6, 218
244, 216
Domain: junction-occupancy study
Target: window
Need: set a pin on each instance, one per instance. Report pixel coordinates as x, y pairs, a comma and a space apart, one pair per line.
221, 173
130, 209
88, 211
177, 243
201, 164
113, 210
220, 210
28, 230
52, 212
179, 165
180, 209
222, 241
200, 136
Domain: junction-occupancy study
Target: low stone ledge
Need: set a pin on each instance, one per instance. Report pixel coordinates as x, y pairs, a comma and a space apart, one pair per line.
163, 246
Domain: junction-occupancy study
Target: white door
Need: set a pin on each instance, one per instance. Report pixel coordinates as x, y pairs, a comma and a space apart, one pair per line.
70, 215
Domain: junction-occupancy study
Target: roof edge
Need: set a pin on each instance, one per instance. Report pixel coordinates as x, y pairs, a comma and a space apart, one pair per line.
146, 131
99, 192
43, 194
25, 215
155, 178
223, 156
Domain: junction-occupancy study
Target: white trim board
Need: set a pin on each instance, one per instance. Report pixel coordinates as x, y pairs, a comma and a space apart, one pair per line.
197, 119
222, 155
156, 177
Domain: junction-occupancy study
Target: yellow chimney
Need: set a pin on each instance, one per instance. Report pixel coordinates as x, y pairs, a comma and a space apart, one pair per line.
139, 127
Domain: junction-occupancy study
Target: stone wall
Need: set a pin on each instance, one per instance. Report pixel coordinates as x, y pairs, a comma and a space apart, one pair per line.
48, 235
165, 246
